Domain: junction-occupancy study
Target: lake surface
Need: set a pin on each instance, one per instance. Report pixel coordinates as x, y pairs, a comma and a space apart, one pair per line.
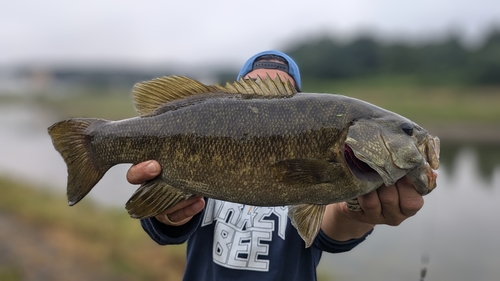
455, 236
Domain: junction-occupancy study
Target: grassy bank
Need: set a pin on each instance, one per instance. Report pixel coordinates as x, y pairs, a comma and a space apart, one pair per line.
76, 243
41, 236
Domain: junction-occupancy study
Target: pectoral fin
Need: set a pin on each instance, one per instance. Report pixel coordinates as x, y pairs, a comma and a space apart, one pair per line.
307, 220
152, 198
304, 171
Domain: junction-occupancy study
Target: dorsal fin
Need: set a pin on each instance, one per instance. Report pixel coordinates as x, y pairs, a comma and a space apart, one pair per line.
150, 95
154, 94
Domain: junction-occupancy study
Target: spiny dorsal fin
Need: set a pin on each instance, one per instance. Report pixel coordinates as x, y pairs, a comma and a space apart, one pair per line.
150, 95
153, 94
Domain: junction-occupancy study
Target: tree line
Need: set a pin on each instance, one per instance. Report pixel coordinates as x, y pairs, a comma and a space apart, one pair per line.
447, 61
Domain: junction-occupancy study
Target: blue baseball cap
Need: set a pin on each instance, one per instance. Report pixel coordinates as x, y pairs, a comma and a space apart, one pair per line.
292, 69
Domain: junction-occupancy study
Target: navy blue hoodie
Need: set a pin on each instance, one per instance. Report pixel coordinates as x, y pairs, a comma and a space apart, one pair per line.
230, 241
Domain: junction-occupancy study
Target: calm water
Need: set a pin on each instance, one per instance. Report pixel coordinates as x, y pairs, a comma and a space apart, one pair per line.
457, 231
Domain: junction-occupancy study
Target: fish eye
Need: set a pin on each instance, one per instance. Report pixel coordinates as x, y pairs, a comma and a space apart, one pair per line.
407, 128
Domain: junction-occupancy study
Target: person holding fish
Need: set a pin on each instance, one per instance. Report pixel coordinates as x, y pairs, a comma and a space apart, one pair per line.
259, 178
228, 241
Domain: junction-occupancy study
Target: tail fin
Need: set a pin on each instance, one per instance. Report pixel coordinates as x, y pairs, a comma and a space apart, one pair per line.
73, 143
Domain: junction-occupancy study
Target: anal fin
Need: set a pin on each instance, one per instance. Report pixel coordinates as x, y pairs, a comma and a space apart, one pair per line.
307, 218
152, 198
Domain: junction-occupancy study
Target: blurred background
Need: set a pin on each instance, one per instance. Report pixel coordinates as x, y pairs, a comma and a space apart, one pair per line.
436, 62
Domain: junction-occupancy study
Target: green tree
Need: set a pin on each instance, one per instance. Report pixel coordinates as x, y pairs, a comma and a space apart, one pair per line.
485, 67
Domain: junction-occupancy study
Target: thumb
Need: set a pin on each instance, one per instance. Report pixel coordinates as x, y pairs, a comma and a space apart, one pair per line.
143, 171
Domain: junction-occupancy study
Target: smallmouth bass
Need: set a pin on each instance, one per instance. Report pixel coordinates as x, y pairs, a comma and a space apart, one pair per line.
252, 142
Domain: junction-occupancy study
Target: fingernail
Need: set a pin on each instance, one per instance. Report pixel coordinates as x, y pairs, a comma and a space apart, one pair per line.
151, 168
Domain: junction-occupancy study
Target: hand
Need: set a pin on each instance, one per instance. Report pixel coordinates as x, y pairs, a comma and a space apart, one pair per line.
389, 205
178, 214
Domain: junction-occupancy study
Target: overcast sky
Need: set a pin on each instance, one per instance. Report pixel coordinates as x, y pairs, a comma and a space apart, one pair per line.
192, 32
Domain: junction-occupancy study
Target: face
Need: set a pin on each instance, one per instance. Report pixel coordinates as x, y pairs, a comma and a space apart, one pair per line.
262, 73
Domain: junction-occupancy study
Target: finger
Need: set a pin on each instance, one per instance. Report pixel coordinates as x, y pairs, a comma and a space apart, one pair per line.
370, 204
182, 212
182, 204
410, 201
370, 209
165, 219
389, 201
143, 171
188, 211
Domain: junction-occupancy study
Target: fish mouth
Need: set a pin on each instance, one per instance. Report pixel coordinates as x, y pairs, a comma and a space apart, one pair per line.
359, 168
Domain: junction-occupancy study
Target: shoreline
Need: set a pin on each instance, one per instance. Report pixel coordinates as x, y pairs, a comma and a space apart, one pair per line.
466, 133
